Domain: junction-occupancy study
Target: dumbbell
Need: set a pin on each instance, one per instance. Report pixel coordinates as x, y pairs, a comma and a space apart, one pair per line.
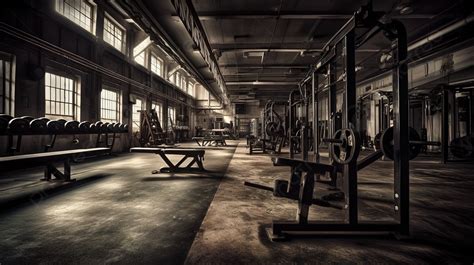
55, 126
28, 118
85, 127
39, 125
95, 127
104, 127
124, 127
6, 117
111, 127
117, 127
71, 127
18, 126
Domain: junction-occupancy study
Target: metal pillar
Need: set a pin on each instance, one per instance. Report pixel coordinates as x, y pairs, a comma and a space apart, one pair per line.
332, 96
470, 127
445, 126
315, 103
400, 134
350, 114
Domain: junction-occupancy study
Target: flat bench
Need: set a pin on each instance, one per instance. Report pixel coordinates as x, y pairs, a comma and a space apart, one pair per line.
208, 140
196, 155
47, 159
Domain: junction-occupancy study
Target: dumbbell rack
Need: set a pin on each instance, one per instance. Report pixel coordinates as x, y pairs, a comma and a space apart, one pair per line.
104, 132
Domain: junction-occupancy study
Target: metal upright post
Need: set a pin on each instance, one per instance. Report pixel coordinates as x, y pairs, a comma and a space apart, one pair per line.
471, 113
445, 126
400, 134
314, 94
332, 96
350, 114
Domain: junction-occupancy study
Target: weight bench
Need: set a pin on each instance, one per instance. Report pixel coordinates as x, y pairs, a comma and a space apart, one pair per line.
207, 140
197, 156
48, 159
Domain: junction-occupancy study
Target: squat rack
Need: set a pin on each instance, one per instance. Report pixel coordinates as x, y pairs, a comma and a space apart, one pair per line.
347, 39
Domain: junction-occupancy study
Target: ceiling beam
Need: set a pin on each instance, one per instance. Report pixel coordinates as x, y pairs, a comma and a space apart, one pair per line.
261, 83
266, 66
300, 15
291, 50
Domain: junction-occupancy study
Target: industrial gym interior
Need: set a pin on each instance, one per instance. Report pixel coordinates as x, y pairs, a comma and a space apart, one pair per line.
236, 132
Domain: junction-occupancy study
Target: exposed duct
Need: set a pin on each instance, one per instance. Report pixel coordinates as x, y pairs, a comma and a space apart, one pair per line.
436, 34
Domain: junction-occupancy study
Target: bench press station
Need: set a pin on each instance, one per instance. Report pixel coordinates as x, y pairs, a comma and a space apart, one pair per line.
197, 156
48, 159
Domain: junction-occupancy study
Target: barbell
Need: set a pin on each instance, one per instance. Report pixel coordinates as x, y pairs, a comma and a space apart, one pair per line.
345, 145
414, 147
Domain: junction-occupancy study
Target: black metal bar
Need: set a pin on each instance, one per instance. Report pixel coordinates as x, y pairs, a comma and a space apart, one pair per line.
51, 143
350, 101
258, 186
361, 164
289, 226
401, 129
332, 96
454, 122
67, 169
315, 101
470, 125
445, 126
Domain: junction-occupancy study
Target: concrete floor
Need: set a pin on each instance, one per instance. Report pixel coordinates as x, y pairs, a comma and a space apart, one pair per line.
442, 214
117, 212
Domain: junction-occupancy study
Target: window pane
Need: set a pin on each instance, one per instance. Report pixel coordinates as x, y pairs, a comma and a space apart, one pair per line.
78, 11
113, 34
109, 106
59, 96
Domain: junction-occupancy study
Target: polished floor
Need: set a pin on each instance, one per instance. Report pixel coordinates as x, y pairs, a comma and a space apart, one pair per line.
442, 214
119, 213
116, 213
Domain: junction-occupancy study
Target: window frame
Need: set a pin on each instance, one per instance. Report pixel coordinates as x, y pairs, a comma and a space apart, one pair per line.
116, 24
136, 123
7, 98
174, 117
60, 9
160, 61
118, 104
160, 112
75, 100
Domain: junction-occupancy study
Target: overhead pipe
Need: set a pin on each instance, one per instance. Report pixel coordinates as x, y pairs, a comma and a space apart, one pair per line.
436, 34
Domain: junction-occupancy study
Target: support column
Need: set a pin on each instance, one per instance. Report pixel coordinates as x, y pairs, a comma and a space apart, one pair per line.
400, 134
445, 126
350, 118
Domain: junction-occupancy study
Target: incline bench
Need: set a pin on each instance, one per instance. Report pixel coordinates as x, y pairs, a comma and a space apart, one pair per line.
197, 156
47, 159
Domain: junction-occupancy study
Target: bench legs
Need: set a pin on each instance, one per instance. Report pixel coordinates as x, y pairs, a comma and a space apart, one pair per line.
176, 168
51, 170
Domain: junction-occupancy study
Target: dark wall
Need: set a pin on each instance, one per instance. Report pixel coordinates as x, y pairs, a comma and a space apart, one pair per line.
38, 19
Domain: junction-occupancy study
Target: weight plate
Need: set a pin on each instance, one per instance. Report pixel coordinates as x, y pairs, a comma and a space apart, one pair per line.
38, 125
6, 117
348, 149
54, 127
71, 126
461, 147
19, 126
386, 143
85, 127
